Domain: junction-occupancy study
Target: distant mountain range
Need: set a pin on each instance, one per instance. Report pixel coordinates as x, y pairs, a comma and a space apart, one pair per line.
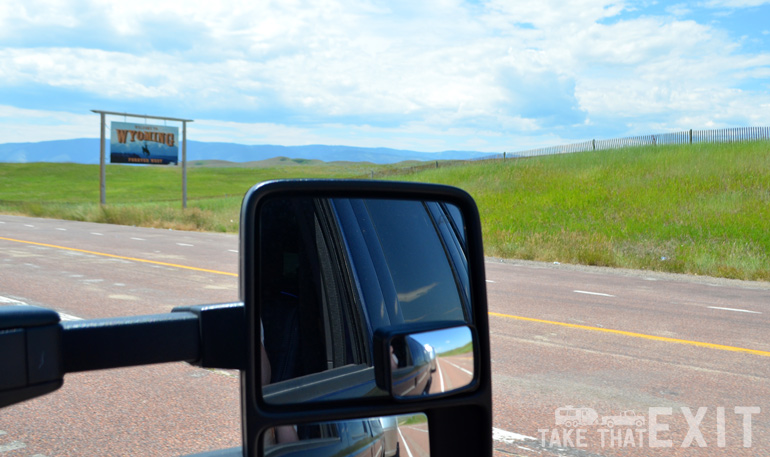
86, 151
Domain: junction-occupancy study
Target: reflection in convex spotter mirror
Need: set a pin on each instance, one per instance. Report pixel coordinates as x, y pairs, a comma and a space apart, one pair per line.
391, 436
333, 271
433, 362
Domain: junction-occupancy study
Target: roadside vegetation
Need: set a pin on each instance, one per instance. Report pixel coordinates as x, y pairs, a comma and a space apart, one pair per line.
151, 196
697, 209
700, 209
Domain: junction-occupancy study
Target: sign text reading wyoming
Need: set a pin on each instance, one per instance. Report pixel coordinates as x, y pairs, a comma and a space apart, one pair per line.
146, 133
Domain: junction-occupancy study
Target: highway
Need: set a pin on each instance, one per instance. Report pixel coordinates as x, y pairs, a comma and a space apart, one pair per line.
694, 349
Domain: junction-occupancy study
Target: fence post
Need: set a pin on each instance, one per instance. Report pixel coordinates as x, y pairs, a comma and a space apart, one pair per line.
437, 164
503, 156
372, 174
593, 145
690, 136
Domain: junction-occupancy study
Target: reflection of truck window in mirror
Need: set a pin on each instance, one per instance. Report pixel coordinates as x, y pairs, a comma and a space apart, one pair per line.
294, 334
420, 271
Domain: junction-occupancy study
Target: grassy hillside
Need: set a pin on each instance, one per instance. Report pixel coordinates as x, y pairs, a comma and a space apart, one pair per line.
701, 209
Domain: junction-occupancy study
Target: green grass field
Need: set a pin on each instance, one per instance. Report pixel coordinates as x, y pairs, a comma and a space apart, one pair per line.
151, 196
701, 209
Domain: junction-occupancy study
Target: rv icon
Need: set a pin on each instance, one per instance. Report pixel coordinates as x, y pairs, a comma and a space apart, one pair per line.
570, 416
625, 418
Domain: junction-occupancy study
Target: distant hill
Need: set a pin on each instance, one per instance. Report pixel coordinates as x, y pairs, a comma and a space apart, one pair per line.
86, 151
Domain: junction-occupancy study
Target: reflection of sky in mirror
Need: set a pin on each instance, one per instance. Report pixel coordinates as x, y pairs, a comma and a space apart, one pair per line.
445, 339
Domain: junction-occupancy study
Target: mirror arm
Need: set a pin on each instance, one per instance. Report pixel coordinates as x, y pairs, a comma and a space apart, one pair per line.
209, 336
99, 344
38, 349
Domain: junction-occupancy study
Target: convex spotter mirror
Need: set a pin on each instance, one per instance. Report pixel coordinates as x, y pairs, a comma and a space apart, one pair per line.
332, 270
428, 363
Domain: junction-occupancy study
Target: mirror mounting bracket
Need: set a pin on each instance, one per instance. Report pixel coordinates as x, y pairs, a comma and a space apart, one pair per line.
222, 335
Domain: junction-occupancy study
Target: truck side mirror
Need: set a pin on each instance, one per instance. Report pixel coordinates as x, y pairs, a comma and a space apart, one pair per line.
326, 267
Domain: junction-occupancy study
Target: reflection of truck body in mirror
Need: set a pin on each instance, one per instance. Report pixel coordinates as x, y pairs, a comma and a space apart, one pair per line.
361, 437
569, 416
412, 376
431, 356
390, 436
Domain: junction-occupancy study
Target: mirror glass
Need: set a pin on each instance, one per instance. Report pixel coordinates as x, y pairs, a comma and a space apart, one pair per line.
390, 436
431, 362
331, 271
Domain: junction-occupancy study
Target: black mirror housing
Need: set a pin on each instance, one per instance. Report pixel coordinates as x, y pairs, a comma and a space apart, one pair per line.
472, 403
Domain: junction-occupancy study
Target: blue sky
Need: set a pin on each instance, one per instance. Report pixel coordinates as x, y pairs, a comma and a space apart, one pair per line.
429, 75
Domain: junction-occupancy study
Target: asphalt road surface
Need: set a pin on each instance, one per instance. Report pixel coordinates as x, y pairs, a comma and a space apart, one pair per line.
413, 440
452, 372
690, 355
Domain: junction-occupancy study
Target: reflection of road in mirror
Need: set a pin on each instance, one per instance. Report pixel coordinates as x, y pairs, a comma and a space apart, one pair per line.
452, 372
449, 354
413, 440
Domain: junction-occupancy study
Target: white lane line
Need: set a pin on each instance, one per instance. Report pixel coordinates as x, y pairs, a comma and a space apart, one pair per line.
592, 293
506, 437
62, 316
224, 373
61, 229
29, 225
489, 280
408, 451
12, 446
440, 375
185, 244
459, 367
69, 317
97, 233
138, 239
734, 309
232, 250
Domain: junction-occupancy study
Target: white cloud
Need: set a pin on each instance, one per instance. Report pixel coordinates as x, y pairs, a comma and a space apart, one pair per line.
680, 9
286, 71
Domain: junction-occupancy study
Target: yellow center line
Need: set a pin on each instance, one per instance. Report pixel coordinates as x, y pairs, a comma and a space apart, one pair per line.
154, 262
720, 347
